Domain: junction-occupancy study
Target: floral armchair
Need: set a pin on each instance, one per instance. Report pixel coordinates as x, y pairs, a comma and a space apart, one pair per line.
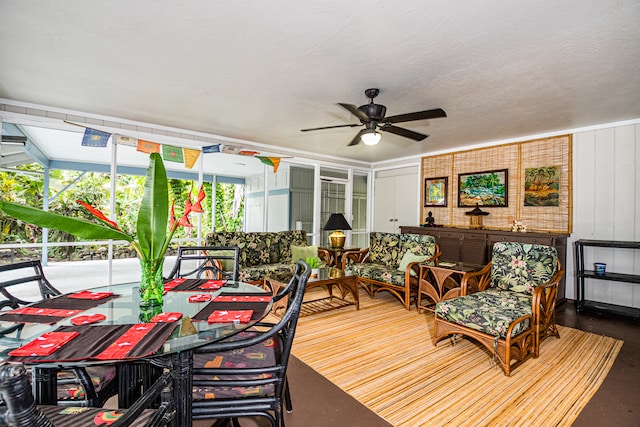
508, 306
391, 263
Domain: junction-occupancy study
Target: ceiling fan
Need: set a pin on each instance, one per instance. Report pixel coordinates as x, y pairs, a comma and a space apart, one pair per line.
372, 117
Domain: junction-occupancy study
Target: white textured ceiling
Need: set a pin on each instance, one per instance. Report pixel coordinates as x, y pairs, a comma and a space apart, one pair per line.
261, 70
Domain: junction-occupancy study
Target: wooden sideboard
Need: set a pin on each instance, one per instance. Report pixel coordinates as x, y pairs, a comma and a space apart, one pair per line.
474, 246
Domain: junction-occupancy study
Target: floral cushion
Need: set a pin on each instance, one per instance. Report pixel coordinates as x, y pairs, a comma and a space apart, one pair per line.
259, 272
256, 356
521, 267
287, 238
491, 311
389, 248
377, 272
258, 249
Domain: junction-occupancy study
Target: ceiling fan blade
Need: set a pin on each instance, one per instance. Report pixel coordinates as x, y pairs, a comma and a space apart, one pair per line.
418, 115
356, 139
403, 132
352, 125
356, 111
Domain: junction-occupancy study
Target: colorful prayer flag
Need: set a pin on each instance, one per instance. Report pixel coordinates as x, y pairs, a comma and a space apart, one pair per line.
270, 161
95, 138
215, 148
172, 154
190, 157
125, 140
148, 146
228, 149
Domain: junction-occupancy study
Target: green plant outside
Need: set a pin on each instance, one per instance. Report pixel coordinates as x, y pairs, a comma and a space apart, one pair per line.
27, 189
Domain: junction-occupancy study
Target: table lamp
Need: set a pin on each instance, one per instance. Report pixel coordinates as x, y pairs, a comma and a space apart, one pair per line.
337, 223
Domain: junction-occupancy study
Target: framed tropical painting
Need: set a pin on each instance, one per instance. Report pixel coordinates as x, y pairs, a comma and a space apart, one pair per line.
542, 186
487, 188
435, 191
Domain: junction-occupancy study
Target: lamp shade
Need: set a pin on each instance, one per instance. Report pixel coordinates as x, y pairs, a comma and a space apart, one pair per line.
337, 221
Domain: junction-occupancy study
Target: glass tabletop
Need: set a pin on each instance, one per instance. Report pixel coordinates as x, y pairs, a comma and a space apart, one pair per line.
465, 267
327, 273
125, 310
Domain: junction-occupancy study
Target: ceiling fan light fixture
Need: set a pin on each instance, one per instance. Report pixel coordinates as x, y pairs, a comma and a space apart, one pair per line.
371, 138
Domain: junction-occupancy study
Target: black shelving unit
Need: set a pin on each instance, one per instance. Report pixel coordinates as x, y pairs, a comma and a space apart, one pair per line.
582, 304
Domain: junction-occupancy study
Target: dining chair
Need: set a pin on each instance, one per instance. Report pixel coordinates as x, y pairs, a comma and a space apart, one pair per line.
245, 375
214, 262
90, 386
18, 407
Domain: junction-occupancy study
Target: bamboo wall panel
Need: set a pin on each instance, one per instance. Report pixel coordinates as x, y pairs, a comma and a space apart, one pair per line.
516, 158
543, 153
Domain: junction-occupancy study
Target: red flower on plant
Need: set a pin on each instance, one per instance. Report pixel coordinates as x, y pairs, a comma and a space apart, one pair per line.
197, 206
102, 217
184, 221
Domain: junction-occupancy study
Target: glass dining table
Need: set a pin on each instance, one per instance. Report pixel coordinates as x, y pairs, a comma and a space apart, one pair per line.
192, 316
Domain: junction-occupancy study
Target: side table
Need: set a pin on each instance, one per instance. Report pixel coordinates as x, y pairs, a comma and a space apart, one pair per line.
336, 254
441, 282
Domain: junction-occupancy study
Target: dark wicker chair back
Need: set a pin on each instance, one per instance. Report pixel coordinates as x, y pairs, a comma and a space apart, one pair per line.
18, 280
18, 408
256, 385
214, 262
10, 285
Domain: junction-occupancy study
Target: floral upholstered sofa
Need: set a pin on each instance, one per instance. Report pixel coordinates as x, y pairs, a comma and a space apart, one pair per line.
391, 263
508, 306
262, 254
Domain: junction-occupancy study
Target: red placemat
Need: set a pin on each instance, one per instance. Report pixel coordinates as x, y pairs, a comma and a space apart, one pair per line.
86, 320
200, 298
212, 284
173, 283
120, 348
183, 284
258, 307
230, 316
45, 344
55, 312
242, 298
166, 317
94, 340
90, 295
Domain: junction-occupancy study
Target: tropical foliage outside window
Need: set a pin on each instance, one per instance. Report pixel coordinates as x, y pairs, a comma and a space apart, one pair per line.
94, 188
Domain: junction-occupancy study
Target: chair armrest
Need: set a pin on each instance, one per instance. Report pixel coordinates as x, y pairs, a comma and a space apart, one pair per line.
476, 281
415, 266
349, 257
324, 256
544, 295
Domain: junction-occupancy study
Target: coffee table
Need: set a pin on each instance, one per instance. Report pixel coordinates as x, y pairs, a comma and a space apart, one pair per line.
345, 294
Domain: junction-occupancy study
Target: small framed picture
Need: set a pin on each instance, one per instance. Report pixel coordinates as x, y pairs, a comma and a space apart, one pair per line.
435, 191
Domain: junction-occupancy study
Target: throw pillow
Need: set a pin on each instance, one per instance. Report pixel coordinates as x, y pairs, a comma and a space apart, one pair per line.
410, 257
227, 264
303, 252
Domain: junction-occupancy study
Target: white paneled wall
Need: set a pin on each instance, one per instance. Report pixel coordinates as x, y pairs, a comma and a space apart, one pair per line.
606, 206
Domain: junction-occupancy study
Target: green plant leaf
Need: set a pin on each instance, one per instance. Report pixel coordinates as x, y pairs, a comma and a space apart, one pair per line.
154, 210
78, 227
